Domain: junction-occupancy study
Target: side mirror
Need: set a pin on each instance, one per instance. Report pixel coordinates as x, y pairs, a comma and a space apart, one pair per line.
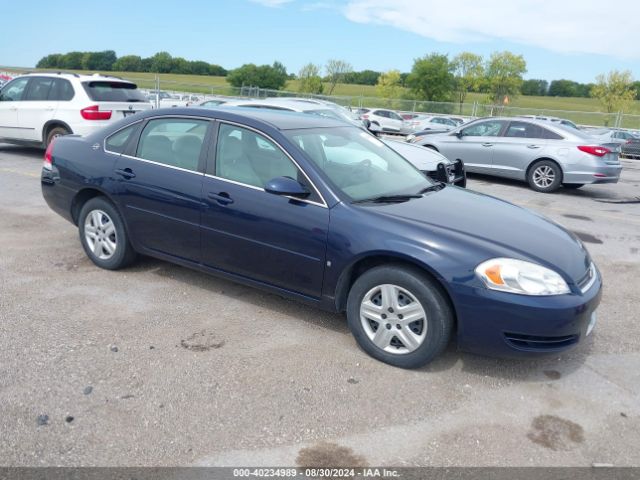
459, 134
286, 186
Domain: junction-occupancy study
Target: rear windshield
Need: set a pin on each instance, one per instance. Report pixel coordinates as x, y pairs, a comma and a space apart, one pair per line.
105, 91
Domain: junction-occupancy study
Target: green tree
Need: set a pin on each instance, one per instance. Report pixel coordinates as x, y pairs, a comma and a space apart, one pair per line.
388, 85
161, 62
263, 76
71, 61
431, 78
50, 61
99, 60
564, 88
615, 90
180, 65
128, 63
504, 75
468, 70
534, 87
217, 70
309, 80
336, 70
198, 67
365, 77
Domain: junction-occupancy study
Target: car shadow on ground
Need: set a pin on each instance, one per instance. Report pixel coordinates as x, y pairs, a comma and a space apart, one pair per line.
526, 370
31, 152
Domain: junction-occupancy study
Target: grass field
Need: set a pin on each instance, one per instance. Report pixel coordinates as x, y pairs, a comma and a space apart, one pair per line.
367, 95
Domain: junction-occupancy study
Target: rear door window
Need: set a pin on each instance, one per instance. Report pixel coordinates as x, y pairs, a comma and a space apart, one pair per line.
106, 91
176, 142
117, 143
61, 90
39, 88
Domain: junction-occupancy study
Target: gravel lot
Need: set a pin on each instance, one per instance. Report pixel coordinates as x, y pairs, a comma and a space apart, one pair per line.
160, 365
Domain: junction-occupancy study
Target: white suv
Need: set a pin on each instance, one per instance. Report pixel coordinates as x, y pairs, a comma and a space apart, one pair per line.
37, 107
382, 120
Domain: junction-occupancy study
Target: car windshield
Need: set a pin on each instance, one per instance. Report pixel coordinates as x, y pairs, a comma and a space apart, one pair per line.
358, 164
331, 113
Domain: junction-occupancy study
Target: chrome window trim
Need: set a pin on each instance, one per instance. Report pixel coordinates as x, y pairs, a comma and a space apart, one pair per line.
162, 164
253, 187
323, 204
594, 276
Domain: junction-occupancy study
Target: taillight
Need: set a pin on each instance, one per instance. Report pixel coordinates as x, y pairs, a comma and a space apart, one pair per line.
94, 113
594, 150
48, 156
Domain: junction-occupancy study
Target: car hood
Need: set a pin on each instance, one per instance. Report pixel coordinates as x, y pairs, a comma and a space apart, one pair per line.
498, 228
421, 157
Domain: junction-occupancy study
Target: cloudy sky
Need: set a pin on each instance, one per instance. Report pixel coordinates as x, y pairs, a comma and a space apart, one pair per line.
560, 39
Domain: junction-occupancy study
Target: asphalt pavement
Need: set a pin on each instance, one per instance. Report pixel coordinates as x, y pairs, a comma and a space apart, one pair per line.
161, 365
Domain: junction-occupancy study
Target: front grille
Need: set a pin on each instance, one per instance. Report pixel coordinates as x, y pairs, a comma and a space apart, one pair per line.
538, 343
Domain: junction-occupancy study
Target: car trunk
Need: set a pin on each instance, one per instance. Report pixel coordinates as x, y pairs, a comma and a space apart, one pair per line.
120, 97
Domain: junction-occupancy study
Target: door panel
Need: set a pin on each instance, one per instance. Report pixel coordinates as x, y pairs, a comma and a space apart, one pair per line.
10, 99
475, 146
522, 143
160, 189
265, 237
262, 236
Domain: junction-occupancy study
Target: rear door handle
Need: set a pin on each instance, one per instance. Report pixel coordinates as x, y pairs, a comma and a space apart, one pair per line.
127, 173
222, 198
487, 144
533, 146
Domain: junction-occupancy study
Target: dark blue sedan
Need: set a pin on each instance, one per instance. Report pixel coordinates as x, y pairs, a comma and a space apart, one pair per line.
323, 212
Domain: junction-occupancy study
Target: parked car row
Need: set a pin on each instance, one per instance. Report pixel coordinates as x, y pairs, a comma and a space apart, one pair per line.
544, 154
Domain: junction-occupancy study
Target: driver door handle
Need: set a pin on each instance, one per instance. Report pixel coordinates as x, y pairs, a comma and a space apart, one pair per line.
487, 144
222, 198
533, 146
126, 173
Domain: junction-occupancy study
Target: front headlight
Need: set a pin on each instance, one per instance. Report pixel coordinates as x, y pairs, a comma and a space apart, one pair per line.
524, 278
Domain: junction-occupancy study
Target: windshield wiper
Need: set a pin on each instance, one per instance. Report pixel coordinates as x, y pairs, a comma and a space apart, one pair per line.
433, 188
388, 199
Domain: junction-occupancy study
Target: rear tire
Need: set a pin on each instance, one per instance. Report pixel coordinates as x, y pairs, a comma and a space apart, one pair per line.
103, 235
55, 132
399, 316
544, 176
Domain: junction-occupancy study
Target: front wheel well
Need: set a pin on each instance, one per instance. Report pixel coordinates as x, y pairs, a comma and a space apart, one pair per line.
431, 147
351, 274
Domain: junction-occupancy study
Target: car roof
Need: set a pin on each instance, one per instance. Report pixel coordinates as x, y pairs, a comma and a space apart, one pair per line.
278, 119
79, 76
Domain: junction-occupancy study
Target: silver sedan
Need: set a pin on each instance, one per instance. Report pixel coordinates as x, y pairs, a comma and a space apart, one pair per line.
545, 155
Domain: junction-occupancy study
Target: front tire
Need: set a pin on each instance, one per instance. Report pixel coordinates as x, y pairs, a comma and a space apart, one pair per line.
399, 316
544, 176
103, 235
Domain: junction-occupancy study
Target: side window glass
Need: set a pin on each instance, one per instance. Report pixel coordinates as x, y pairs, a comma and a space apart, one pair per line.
548, 134
484, 129
246, 157
117, 142
39, 88
61, 90
176, 142
14, 90
524, 130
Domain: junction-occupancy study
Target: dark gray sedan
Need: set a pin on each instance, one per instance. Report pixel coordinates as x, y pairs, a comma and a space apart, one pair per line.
543, 154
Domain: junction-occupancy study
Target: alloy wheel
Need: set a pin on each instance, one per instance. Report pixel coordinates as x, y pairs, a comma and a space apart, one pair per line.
544, 176
100, 234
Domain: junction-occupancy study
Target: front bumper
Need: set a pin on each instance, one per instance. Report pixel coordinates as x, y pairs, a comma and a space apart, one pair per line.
509, 325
